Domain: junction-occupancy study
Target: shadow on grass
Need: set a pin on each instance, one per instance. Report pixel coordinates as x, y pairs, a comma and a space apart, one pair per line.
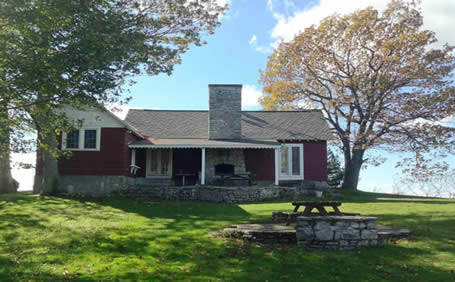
385, 261
121, 239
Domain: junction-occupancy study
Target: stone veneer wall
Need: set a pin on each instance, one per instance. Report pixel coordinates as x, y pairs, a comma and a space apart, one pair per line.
94, 185
225, 105
336, 232
216, 194
214, 157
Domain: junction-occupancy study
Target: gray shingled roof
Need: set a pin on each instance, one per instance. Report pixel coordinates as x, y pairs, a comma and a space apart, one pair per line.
268, 125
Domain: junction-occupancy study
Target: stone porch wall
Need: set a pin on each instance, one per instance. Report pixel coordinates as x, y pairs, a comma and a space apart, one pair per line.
217, 194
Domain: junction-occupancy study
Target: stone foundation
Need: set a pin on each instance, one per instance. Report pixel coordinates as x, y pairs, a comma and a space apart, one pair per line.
336, 232
217, 194
93, 185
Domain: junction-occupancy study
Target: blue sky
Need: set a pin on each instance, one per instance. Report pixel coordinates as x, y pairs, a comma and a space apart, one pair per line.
239, 49
226, 58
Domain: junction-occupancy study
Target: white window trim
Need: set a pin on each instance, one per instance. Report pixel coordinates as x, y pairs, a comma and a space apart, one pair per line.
292, 177
148, 165
82, 139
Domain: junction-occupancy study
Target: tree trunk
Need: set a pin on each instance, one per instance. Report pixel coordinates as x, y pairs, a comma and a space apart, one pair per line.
46, 174
50, 166
7, 182
352, 170
38, 181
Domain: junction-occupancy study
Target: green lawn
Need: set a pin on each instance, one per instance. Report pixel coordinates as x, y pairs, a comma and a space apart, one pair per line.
50, 238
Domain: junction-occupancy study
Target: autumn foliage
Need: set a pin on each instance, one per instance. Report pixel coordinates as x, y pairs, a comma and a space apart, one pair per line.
376, 76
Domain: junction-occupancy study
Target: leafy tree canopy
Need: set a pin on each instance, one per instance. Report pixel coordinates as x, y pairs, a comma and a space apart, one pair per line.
376, 78
79, 52
64, 49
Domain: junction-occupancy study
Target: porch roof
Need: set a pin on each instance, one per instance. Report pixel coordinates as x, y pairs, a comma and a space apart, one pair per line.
205, 143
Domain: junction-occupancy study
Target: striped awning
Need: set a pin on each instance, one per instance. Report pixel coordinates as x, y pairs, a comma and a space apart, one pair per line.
155, 143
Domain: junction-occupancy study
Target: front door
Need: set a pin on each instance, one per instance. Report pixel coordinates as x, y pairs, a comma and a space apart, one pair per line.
159, 163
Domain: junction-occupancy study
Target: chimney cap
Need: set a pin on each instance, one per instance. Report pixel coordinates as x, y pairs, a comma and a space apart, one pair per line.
225, 85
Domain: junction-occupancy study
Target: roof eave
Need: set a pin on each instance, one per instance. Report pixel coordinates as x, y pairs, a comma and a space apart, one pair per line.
126, 124
153, 146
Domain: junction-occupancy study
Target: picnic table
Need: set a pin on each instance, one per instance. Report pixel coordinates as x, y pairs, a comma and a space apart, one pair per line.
320, 206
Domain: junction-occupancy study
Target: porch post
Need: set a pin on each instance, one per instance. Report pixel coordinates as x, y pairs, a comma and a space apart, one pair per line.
203, 167
133, 157
277, 166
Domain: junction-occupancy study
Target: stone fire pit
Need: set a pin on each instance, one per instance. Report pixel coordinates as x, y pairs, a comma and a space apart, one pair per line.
336, 232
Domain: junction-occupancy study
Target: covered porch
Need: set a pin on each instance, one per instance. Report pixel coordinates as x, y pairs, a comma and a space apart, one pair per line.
202, 162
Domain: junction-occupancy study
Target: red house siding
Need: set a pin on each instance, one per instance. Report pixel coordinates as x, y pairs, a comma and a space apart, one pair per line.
261, 163
315, 160
112, 159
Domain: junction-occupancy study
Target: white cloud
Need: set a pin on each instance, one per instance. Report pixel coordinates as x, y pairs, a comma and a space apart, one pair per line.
250, 95
228, 14
448, 121
438, 17
262, 49
252, 40
270, 5
223, 2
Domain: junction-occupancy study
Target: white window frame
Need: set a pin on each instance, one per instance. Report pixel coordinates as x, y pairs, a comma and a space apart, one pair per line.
289, 151
82, 140
148, 164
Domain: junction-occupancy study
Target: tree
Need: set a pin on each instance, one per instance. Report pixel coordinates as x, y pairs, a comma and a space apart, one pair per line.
81, 52
7, 183
376, 77
335, 173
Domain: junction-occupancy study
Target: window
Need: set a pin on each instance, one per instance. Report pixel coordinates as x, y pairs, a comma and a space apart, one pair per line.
82, 139
72, 140
291, 161
159, 162
90, 139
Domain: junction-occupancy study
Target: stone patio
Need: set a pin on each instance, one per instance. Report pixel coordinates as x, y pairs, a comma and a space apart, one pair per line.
283, 234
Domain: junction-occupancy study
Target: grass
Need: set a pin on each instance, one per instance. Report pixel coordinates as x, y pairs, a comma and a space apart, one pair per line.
50, 238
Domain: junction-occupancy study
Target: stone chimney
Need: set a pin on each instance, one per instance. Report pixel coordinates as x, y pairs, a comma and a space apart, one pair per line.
225, 105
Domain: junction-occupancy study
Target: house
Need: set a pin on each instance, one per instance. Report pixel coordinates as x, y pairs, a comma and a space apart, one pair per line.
168, 147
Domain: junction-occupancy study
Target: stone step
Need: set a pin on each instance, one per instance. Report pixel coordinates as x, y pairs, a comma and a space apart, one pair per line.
388, 233
262, 233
